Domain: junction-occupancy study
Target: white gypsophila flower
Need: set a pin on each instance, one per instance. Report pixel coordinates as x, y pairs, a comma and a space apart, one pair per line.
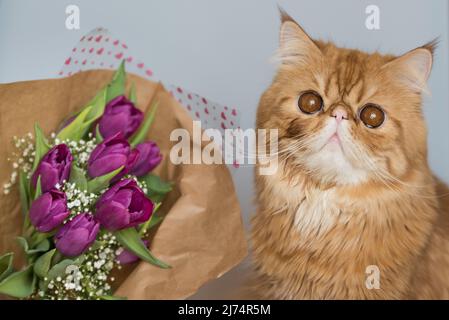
91, 279
21, 160
78, 201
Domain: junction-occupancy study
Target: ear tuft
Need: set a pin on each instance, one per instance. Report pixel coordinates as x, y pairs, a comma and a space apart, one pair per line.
285, 16
432, 46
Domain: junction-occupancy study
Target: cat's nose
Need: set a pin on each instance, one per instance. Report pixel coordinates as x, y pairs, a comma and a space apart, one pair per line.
339, 113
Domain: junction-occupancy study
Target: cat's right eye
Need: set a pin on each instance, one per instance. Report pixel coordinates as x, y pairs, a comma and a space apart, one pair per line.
310, 102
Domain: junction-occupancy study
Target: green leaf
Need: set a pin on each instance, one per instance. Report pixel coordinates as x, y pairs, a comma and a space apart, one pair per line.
24, 189
25, 199
20, 284
6, 265
156, 184
77, 128
155, 197
130, 239
98, 137
142, 133
112, 298
156, 188
59, 269
39, 241
38, 191
98, 104
42, 246
96, 245
23, 243
41, 146
117, 86
133, 94
43, 264
78, 177
82, 122
99, 183
154, 220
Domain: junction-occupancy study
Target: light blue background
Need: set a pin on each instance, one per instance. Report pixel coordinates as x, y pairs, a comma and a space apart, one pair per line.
221, 49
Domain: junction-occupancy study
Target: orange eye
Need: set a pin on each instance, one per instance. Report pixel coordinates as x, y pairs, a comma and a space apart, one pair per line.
372, 115
310, 102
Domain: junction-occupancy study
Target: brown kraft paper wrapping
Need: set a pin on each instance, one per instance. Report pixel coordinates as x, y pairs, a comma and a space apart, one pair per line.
201, 236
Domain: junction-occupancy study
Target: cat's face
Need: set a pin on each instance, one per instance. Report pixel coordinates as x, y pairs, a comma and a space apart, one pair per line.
345, 116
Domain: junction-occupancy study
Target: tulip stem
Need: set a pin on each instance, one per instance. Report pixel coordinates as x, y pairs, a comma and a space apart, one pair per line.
37, 237
28, 229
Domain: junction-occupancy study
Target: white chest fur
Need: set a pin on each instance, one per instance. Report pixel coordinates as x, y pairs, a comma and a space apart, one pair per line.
314, 210
317, 212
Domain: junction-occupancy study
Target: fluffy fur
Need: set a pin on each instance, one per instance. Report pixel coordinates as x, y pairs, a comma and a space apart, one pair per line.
333, 209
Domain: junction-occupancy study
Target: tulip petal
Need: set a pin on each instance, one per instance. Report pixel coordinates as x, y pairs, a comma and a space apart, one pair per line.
106, 164
49, 176
112, 124
119, 147
73, 242
39, 209
93, 233
120, 115
112, 216
49, 210
140, 210
110, 193
53, 168
53, 221
124, 197
124, 205
96, 153
77, 235
149, 158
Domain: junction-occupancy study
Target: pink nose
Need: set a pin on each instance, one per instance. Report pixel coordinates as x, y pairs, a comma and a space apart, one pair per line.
339, 113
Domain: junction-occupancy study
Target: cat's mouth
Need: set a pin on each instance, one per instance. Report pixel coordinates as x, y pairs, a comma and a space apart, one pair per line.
334, 142
335, 138
334, 159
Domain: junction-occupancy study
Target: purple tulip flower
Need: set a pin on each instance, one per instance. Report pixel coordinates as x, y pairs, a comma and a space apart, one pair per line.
49, 210
77, 235
148, 159
120, 115
123, 206
110, 155
54, 168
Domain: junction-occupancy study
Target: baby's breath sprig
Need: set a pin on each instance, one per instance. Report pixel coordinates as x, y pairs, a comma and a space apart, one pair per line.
89, 280
21, 160
78, 201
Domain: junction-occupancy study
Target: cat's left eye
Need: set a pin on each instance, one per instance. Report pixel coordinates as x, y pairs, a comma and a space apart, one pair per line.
372, 115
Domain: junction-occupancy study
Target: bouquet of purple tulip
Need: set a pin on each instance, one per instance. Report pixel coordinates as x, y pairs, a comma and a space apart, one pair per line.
88, 198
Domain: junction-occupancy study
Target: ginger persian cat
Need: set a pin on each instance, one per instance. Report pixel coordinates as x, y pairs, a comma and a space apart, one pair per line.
353, 190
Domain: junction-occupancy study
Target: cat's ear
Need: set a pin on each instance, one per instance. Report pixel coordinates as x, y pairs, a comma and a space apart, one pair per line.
413, 68
295, 46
